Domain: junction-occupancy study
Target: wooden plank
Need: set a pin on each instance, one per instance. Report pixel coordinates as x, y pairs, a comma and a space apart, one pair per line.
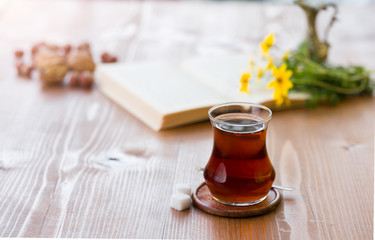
74, 164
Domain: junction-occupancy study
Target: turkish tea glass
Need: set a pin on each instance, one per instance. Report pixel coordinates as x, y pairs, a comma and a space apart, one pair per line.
239, 171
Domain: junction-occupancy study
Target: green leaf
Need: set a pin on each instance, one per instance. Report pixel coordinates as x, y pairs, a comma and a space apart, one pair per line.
326, 83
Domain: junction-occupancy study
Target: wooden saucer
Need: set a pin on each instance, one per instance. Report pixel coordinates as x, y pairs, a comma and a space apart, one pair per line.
203, 199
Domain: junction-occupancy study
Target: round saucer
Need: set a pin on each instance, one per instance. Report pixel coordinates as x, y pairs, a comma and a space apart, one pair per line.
203, 199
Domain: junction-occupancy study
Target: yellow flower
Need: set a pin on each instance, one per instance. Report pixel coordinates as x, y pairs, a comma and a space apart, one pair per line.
286, 55
270, 63
245, 82
260, 74
282, 84
251, 63
267, 42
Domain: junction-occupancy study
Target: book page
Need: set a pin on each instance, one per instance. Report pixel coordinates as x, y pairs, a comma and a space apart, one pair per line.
221, 73
162, 85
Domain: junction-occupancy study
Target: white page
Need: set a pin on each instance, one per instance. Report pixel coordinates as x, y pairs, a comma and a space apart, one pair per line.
221, 73
163, 86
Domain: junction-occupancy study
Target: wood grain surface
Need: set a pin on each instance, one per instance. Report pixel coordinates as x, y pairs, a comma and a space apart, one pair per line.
74, 164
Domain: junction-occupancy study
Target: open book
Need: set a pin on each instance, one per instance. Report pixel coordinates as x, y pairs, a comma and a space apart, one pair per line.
165, 94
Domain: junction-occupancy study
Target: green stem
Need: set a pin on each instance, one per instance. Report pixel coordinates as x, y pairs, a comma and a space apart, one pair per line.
321, 69
333, 88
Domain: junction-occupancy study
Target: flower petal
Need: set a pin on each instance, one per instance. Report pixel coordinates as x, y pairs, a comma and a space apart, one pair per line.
272, 84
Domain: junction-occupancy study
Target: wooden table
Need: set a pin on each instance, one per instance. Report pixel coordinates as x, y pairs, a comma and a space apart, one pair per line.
57, 178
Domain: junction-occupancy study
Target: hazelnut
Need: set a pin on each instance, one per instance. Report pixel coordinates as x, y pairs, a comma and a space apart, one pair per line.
108, 58
86, 79
24, 70
74, 78
18, 53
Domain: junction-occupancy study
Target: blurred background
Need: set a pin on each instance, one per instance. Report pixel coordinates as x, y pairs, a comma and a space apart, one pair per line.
152, 30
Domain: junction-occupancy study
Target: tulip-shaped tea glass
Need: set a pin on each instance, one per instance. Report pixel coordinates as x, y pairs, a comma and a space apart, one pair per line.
239, 171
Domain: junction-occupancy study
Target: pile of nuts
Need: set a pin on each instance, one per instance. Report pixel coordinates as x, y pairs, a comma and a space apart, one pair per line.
54, 63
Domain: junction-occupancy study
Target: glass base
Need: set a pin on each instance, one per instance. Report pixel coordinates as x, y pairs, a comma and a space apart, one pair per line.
240, 204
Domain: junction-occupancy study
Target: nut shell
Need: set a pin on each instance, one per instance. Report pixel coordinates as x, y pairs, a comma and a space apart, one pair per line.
18, 53
53, 74
81, 60
108, 58
86, 79
74, 78
46, 58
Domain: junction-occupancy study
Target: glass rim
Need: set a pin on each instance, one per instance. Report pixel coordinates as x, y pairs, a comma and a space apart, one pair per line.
266, 120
